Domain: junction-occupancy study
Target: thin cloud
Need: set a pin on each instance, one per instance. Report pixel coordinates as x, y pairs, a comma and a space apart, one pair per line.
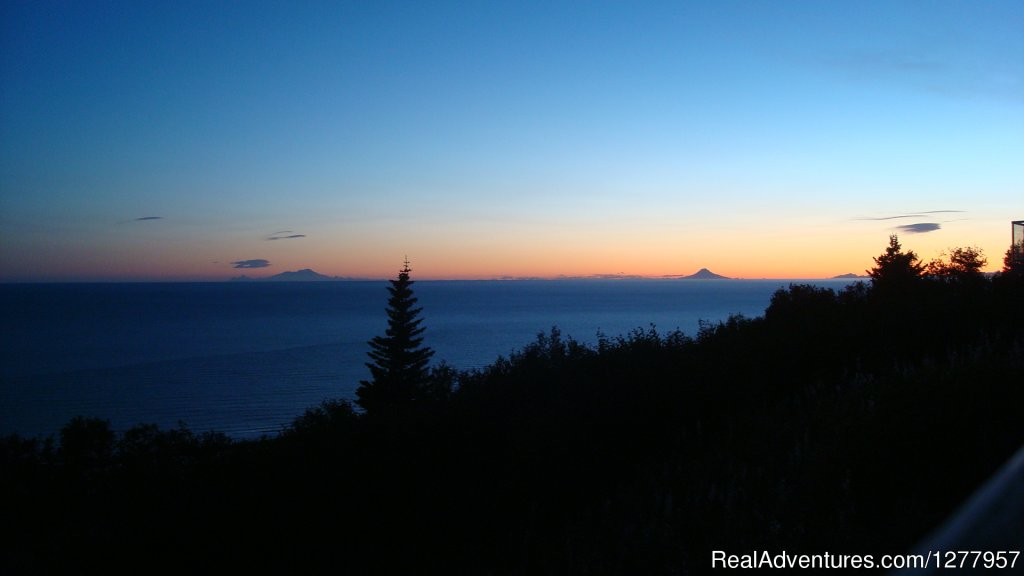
913, 215
919, 228
286, 237
257, 263
149, 218
280, 232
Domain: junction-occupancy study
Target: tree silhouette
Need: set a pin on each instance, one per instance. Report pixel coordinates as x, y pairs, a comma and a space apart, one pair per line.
895, 269
964, 264
1013, 262
399, 367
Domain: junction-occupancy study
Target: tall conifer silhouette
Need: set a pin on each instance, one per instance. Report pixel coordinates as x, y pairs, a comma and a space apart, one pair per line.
895, 270
399, 360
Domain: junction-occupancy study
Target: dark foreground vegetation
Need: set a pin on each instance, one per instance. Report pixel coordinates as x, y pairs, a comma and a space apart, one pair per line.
843, 422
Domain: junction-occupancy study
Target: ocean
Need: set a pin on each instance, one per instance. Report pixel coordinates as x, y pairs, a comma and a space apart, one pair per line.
247, 358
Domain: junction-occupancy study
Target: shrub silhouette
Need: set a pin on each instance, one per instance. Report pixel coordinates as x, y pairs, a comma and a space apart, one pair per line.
87, 444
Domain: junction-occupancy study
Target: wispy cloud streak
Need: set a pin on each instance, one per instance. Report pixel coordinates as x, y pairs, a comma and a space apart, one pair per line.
913, 215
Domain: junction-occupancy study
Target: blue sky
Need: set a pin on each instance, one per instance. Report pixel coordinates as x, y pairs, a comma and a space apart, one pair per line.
493, 139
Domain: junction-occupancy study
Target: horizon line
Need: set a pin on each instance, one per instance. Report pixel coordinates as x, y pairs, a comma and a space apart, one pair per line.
266, 279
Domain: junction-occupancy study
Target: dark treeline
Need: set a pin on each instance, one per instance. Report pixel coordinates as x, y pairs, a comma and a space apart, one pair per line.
849, 422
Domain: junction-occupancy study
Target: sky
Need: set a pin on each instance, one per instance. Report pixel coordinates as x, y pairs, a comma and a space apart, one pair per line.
204, 140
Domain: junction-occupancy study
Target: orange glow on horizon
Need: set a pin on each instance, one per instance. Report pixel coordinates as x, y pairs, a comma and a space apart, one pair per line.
550, 254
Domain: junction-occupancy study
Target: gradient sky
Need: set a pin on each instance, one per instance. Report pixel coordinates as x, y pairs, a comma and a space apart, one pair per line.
175, 140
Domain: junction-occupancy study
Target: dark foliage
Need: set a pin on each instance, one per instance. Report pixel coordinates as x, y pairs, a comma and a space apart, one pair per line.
963, 265
851, 421
896, 272
1013, 261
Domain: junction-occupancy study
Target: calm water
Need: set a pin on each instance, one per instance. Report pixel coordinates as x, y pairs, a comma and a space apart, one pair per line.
246, 358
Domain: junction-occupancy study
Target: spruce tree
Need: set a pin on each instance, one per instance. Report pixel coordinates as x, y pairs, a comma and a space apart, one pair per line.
896, 270
399, 360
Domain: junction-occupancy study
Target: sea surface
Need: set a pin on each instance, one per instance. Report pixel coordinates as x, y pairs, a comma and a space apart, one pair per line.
247, 358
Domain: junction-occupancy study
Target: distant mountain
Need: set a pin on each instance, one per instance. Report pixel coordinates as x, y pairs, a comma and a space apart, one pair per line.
304, 275
704, 274
851, 275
